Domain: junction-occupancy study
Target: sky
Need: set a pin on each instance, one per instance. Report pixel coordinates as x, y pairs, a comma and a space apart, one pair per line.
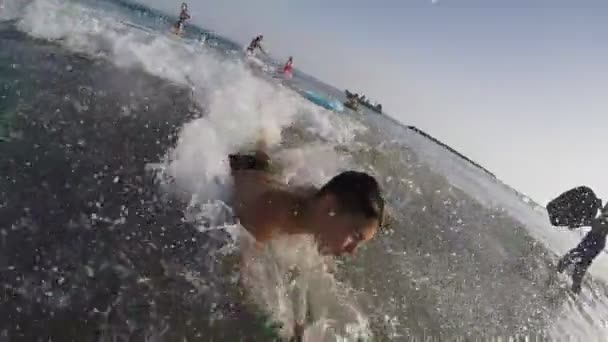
519, 86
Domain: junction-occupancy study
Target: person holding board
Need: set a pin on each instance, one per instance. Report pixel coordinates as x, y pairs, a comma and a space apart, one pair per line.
578, 208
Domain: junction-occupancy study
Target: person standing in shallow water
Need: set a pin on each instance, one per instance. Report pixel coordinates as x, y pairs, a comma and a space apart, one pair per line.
256, 43
288, 67
183, 16
587, 250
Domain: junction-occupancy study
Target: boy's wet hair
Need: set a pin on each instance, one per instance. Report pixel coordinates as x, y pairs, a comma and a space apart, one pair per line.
357, 193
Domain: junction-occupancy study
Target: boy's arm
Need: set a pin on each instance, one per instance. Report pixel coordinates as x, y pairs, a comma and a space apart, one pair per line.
248, 252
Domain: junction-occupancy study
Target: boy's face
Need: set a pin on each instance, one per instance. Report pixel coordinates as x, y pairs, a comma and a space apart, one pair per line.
341, 233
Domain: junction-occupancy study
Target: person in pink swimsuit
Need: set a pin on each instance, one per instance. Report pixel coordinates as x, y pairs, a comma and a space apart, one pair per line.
288, 68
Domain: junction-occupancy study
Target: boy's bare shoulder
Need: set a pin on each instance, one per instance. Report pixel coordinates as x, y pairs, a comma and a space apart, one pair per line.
262, 208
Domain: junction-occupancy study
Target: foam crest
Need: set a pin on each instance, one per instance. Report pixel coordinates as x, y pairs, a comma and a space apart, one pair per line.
240, 108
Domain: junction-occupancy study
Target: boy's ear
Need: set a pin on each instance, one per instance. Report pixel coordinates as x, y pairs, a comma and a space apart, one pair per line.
387, 216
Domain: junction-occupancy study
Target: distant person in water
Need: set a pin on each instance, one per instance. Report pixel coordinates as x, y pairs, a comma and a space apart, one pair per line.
256, 43
183, 16
344, 213
587, 250
288, 68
